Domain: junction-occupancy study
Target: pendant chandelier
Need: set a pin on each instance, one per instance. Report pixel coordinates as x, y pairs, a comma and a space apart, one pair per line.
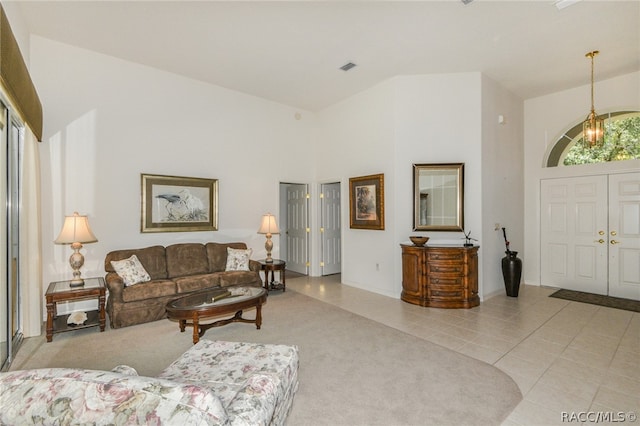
593, 126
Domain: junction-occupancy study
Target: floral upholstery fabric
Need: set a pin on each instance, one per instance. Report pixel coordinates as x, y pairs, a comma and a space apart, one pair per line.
61, 396
213, 383
255, 382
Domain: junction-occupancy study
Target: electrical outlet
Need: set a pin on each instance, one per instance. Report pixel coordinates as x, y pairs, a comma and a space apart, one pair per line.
497, 228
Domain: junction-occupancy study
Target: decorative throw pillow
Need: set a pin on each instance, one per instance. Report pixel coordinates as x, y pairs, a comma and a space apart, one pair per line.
131, 270
238, 259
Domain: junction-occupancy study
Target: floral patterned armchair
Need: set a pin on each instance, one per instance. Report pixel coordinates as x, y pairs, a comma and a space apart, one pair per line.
213, 383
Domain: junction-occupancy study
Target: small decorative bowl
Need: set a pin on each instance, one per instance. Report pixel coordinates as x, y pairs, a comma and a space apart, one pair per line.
418, 240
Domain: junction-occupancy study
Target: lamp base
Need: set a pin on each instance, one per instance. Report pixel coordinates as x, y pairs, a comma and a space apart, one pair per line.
76, 261
76, 283
268, 246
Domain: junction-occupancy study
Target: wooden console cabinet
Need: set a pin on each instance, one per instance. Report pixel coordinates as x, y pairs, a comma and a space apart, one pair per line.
440, 276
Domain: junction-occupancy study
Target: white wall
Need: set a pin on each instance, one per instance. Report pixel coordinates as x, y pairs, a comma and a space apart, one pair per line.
390, 127
107, 121
356, 138
546, 119
502, 181
438, 120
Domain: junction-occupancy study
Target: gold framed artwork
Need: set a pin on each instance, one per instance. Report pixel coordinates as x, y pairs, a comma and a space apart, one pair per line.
438, 197
178, 204
366, 202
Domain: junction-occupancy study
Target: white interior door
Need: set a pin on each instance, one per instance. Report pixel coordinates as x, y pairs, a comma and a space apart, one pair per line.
624, 235
297, 228
573, 232
330, 228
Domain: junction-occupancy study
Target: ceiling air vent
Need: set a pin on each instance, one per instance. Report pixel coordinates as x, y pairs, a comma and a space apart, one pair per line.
348, 66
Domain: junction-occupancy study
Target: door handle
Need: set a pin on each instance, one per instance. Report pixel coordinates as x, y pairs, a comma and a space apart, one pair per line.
599, 241
615, 242
600, 232
614, 233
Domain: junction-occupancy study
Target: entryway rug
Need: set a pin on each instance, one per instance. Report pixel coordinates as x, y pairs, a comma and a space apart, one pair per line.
597, 299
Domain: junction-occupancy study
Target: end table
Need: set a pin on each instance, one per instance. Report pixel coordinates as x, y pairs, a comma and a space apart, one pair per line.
61, 291
276, 265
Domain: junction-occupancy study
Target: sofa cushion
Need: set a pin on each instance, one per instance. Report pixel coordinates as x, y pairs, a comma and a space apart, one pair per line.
149, 290
186, 259
238, 259
76, 396
238, 278
131, 270
256, 382
196, 282
153, 260
217, 254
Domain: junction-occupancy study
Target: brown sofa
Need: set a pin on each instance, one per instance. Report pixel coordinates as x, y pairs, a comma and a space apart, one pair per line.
175, 271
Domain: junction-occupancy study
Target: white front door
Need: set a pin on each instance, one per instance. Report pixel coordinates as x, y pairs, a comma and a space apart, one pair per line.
574, 245
297, 228
624, 235
330, 228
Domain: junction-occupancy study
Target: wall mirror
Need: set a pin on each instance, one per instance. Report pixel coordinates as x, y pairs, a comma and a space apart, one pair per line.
438, 202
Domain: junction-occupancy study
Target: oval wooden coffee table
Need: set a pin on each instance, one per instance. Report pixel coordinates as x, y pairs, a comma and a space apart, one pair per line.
202, 305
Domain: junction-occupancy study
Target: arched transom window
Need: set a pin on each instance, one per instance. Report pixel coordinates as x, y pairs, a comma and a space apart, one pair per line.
621, 142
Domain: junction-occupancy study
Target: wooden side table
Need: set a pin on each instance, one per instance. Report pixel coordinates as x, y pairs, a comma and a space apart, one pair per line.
276, 265
61, 291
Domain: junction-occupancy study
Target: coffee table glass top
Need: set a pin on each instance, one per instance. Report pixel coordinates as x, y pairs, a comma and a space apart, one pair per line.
216, 297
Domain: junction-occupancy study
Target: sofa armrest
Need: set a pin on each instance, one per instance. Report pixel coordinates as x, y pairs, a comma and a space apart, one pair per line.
254, 265
255, 402
115, 285
76, 396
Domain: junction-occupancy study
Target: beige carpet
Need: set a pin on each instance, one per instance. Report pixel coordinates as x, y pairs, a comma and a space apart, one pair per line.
353, 371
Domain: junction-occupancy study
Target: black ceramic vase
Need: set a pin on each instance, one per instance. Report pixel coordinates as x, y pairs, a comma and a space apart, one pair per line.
511, 272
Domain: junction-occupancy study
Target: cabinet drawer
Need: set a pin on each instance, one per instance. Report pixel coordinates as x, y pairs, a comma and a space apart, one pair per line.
445, 281
445, 255
443, 293
445, 268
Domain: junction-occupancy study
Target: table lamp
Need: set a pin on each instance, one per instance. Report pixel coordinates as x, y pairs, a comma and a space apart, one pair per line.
268, 227
76, 231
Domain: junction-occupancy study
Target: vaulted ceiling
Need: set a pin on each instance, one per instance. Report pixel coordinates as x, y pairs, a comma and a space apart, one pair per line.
291, 51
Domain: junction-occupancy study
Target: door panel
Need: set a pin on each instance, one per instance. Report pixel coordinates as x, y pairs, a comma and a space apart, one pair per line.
624, 235
573, 217
5, 332
330, 228
297, 225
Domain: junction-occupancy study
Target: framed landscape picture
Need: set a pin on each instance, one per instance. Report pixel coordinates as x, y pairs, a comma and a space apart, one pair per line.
178, 204
366, 202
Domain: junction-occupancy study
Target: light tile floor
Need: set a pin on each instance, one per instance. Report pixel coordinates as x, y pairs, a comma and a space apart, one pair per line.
572, 361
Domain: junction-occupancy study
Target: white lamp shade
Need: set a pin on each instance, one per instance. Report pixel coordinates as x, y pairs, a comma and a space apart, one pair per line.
76, 229
268, 225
